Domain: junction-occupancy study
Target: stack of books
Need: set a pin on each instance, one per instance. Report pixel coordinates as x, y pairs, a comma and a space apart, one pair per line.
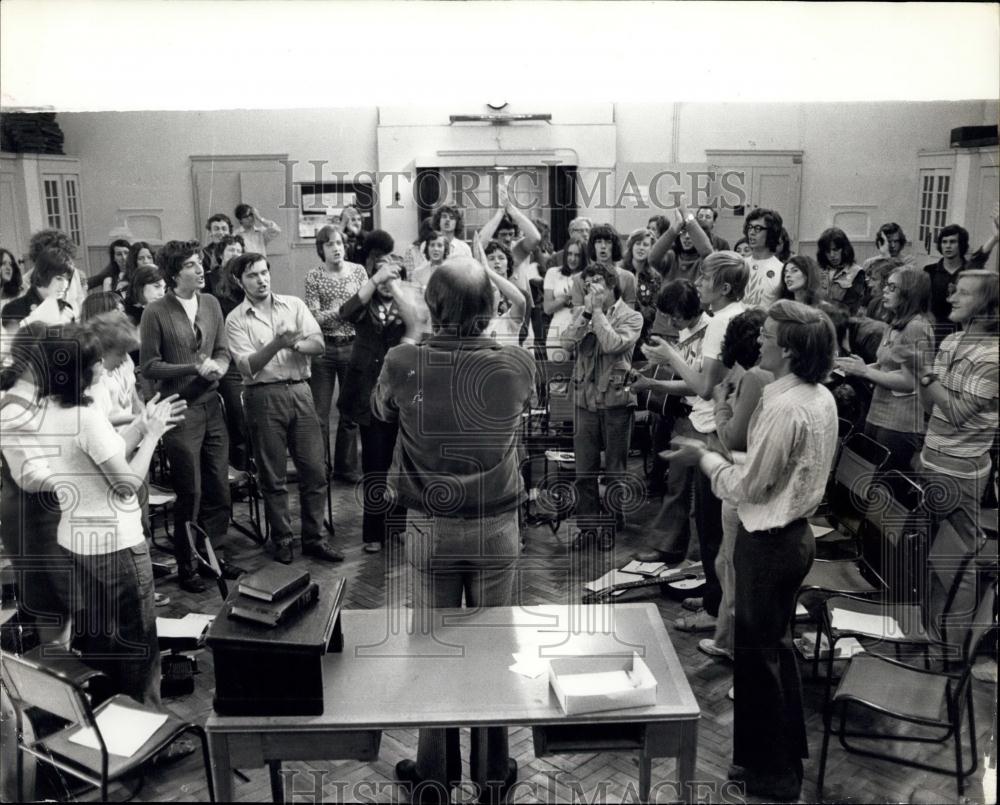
274, 595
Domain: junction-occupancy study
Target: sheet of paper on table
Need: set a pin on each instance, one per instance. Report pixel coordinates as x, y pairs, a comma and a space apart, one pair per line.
529, 665
124, 729
191, 625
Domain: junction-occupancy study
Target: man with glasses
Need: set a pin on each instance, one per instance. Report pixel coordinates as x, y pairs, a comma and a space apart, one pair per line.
183, 351
762, 229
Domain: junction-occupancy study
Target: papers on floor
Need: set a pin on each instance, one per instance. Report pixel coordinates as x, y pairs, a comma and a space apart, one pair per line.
846, 647
876, 625
529, 665
819, 530
610, 579
644, 568
192, 625
124, 729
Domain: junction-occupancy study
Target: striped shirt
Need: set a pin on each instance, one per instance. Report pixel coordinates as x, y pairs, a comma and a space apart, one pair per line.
791, 442
900, 410
966, 366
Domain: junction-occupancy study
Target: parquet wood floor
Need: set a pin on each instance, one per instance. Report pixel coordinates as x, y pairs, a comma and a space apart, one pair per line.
375, 580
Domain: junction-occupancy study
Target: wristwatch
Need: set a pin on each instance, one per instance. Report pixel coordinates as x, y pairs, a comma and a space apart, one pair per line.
927, 379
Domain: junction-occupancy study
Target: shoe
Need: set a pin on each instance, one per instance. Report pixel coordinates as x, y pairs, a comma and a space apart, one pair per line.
773, 787
322, 550
654, 555
283, 552
178, 750
495, 795
420, 790
693, 604
708, 646
160, 600
373, 547
699, 621
346, 477
192, 584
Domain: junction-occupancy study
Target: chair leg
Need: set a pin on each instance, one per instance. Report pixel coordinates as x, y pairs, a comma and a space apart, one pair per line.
823, 751
277, 789
972, 726
956, 721
207, 760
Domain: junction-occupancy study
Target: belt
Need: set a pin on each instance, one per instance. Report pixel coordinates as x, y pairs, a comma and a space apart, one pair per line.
278, 383
338, 339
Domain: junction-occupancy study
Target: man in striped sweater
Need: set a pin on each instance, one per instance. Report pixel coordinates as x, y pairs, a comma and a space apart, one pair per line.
183, 351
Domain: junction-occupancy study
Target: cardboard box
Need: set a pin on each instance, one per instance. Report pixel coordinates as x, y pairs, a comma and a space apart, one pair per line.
593, 684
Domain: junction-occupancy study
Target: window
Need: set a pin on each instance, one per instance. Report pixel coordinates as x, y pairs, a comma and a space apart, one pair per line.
62, 204
935, 190
321, 204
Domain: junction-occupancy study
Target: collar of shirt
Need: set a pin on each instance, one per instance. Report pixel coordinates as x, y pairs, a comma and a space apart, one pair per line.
780, 386
246, 307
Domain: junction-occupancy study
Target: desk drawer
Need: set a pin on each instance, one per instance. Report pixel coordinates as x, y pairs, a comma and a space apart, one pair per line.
558, 738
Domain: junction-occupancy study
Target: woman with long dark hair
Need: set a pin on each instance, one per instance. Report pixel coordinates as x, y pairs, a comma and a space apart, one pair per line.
11, 280
107, 279
800, 280
558, 297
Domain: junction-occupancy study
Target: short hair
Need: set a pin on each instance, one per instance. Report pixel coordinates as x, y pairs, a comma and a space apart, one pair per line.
636, 236
723, 267
456, 214
914, 292
51, 239
886, 231
834, 238
99, 302
238, 265
838, 313
143, 276
584, 261
606, 273
740, 344
580, 219
226, 240
464, 306
989, 297
497, 246
506, 222
604, 232
132, 263
326, 234
242, 211
170, 258
710, 208
68, 360
810, 270
12, 287
378, 240
772, 224
49, 264
950, 231
219, 216
115, 332
679, 299
809, 335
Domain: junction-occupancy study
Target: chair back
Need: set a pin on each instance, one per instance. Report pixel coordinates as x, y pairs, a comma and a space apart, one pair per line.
859, 460
984, 620
559, 394
953, 587
32, 684
895, 506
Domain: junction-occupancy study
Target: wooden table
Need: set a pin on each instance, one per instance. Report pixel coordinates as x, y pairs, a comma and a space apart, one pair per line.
450, 669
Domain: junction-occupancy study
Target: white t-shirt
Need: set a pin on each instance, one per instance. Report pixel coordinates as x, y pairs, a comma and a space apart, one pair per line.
559, 284
703, 411
190, 306
459, 248
764, 286
689, 342
94, 521
119, 386
506, 330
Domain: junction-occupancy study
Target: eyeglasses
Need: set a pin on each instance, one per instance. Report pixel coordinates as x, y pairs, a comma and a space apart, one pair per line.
755, 229
890, 286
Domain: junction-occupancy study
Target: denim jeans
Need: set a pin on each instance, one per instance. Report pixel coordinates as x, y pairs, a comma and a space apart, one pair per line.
198, 452
114, 623
282, 420
330, 370
477, 559
607, 429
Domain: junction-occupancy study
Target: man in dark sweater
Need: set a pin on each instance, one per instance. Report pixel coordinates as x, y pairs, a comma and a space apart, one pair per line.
184, 352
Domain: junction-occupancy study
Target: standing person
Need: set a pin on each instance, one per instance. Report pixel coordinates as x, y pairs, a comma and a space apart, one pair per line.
218, 226
603, 333
959, 389
183, 351
328, 286
382, 320
890, 240
463, 538
706, 217
351, 225
647, 279
505, 224
895, 419
800, 280
952, 243
762, 229
450, 222
415, 256
108, 278
791, 443
272, 338
558, 299
842, 279
579, 230
605, 247
256, 231
217, 283
435, 248
11, 281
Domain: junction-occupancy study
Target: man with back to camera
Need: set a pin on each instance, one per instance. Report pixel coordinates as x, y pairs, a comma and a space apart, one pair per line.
272, 338
458, 399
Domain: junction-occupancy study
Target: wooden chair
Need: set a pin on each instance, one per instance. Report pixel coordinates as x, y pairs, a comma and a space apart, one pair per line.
41, 684
929, 699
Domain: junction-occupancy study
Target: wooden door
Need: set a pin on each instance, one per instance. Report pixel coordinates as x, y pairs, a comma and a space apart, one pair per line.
777, 188
984, 197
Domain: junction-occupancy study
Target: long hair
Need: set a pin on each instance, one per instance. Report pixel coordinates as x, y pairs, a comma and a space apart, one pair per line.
740, 343
497, 246
604, 232
456, 214
989, 298
564, 268
914, 294
636, 237
112, 267
810, 270
132, 263
834, 238
99, 302
772, 223
12, 287
144, 275
68, 361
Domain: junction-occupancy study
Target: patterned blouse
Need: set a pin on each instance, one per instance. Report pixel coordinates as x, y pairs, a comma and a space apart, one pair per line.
326, 292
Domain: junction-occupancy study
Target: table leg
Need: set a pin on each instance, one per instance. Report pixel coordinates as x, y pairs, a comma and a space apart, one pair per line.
686, 758
645, 775
222, 772
277, 786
